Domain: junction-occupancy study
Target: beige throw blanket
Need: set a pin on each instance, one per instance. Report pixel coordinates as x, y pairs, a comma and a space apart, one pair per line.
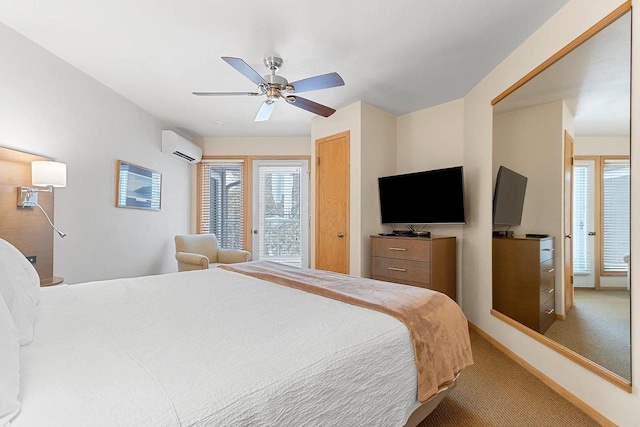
438, 328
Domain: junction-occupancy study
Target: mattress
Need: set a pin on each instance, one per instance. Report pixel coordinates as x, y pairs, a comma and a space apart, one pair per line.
212, 347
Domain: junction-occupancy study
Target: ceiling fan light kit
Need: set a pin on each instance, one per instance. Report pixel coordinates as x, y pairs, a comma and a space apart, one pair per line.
275, 87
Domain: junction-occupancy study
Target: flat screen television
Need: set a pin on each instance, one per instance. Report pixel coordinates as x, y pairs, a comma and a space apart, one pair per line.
508, 197
428, 197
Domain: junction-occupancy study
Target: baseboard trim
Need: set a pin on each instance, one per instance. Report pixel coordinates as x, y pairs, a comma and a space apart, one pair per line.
577, 402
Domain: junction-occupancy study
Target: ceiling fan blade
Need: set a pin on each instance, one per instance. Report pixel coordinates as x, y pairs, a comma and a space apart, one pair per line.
245, 69
314, 107
318, 82
225, 93
265, 110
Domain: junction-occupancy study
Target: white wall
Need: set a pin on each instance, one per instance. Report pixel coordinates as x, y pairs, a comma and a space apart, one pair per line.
571, 21
378, 153
255, 146
433, 138
52, 109
602, 146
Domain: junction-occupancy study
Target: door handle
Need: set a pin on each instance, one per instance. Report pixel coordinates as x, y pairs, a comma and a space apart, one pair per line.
568, 236
255, 231
591, 233
341, 234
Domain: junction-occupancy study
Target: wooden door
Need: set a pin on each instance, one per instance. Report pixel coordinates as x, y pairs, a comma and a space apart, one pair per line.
568, 222
332, 203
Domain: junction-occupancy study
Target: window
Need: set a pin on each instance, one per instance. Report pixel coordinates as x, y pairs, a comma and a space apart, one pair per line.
615, 214
280, 211
222, 192
582, 216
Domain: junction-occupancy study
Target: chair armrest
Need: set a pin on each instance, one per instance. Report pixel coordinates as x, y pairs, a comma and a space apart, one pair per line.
193, 259
231, 256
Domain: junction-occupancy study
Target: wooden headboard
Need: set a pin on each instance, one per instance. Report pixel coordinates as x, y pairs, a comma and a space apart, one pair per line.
25, 228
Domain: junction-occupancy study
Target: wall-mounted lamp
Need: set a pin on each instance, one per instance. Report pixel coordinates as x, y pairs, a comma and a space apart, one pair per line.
43, 174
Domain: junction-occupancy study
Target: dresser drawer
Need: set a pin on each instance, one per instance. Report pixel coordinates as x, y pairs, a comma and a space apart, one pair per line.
547, 292
546, 250
547, 281
547, 315
407, 249
399, 269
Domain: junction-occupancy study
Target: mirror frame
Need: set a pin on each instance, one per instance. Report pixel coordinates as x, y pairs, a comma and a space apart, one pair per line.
615, 379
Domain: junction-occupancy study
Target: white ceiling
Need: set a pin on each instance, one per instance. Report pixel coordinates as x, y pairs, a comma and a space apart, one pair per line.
401, 55
594, 80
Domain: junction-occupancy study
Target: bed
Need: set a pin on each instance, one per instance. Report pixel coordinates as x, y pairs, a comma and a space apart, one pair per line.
221, 348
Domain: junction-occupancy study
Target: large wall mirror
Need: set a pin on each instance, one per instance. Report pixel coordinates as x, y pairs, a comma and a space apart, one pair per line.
566, 128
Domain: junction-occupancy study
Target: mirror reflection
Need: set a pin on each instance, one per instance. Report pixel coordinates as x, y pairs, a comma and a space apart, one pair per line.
567, 131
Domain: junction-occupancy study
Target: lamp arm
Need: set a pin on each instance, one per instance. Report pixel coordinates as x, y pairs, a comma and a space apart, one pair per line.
31, 203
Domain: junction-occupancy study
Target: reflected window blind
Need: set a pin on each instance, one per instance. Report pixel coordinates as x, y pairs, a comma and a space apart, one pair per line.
222, 201
582, 184
616, 214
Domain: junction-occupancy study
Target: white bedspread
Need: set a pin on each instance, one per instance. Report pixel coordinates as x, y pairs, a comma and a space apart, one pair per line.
214, 348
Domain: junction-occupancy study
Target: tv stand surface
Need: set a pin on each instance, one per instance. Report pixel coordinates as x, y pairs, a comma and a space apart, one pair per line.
407, 234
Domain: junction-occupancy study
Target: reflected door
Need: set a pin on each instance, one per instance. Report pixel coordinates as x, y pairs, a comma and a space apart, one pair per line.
280, 223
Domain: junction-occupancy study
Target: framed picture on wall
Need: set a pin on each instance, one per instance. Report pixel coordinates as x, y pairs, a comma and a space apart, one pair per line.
138, 187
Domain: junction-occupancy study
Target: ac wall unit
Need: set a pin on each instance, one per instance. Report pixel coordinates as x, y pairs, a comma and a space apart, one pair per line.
179, 147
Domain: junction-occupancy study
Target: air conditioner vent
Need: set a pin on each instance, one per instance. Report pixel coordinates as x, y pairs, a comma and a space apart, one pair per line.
184, 156
179, 147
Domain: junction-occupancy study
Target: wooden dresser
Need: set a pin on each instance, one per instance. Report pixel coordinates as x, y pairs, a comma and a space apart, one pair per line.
428, 262
524, 280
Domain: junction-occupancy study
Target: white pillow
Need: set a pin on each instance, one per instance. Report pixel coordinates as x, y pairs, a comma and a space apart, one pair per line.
20, 287
9, 366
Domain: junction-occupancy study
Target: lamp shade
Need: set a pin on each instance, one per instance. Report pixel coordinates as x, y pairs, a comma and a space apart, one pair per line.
44, 174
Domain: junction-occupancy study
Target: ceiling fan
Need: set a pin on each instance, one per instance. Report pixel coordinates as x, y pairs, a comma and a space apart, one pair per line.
275, 87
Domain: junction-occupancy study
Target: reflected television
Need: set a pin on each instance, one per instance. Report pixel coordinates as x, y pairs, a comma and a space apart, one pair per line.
508, 197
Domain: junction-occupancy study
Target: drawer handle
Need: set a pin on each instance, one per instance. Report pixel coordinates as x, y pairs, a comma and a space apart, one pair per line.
549, 312
549, 290
547, 250
397, 249
397, 269
550, 270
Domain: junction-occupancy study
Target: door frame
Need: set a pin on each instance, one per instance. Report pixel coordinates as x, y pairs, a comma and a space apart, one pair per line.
567, 242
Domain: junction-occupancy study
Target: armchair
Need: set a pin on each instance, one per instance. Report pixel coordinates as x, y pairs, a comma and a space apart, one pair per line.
202, 251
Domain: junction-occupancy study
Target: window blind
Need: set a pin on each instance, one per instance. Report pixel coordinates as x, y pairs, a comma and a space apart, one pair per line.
222, 201
616, 214
582, 249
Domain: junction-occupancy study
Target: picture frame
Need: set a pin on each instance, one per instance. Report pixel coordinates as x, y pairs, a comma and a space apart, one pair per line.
138, 187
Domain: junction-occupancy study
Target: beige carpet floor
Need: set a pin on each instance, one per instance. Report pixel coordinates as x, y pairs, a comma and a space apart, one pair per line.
496, 391
598, 327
